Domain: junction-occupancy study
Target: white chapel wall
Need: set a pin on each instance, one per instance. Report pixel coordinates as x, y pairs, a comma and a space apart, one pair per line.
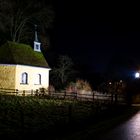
32, 73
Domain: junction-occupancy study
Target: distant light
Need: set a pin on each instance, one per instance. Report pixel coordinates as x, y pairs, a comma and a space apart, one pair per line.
110, 83
137, 75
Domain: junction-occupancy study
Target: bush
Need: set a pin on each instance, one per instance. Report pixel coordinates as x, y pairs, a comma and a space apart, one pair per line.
83, 85
51, 88
78, 86
71, 87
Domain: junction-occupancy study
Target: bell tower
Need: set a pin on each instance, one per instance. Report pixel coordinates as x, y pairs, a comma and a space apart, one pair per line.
36, 41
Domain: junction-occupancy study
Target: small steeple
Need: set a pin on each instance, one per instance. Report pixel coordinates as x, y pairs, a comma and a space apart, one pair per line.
36, 41
36, 37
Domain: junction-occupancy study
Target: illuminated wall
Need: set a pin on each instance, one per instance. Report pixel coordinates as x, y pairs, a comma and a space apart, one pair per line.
7, 76
32, 75
12, 77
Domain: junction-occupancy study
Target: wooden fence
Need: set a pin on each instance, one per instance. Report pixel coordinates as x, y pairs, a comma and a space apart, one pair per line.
8, 91
89, 96
112, 98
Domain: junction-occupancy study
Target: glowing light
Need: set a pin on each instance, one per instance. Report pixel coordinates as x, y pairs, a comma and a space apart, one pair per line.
137, 75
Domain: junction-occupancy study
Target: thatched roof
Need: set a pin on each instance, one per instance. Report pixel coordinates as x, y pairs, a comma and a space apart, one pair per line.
15, 53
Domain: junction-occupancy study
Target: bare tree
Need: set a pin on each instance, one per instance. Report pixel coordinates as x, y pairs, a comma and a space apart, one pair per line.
63, 72
17, 18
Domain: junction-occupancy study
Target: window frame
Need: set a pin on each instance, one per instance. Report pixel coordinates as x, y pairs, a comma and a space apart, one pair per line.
24, 78
38, 79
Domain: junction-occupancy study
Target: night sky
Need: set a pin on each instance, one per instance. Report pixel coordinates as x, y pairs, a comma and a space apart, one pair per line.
94, 34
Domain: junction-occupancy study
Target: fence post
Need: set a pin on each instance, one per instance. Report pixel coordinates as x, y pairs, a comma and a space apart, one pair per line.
111, 97
36, 92
16, 91
23, 94
64, 94
49, 93
93, 96
32, 92
116, 98
76, 95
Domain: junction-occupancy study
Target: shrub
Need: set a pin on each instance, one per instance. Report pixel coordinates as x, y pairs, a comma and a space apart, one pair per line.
78, 86
83, 85
51, 88
71, 87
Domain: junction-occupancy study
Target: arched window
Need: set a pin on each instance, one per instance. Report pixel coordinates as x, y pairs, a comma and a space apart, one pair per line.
38, 79
24, 78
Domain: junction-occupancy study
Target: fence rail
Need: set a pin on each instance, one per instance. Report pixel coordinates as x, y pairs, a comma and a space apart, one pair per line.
8, 91
92, 96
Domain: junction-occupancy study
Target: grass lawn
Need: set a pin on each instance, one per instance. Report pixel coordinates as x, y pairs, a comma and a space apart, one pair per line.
31, 115
34, 117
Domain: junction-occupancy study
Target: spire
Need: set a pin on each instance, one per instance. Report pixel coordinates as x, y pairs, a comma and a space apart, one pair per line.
36, 37
36, 41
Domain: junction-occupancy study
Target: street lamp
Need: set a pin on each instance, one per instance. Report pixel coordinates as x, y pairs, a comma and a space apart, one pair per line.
137, 75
